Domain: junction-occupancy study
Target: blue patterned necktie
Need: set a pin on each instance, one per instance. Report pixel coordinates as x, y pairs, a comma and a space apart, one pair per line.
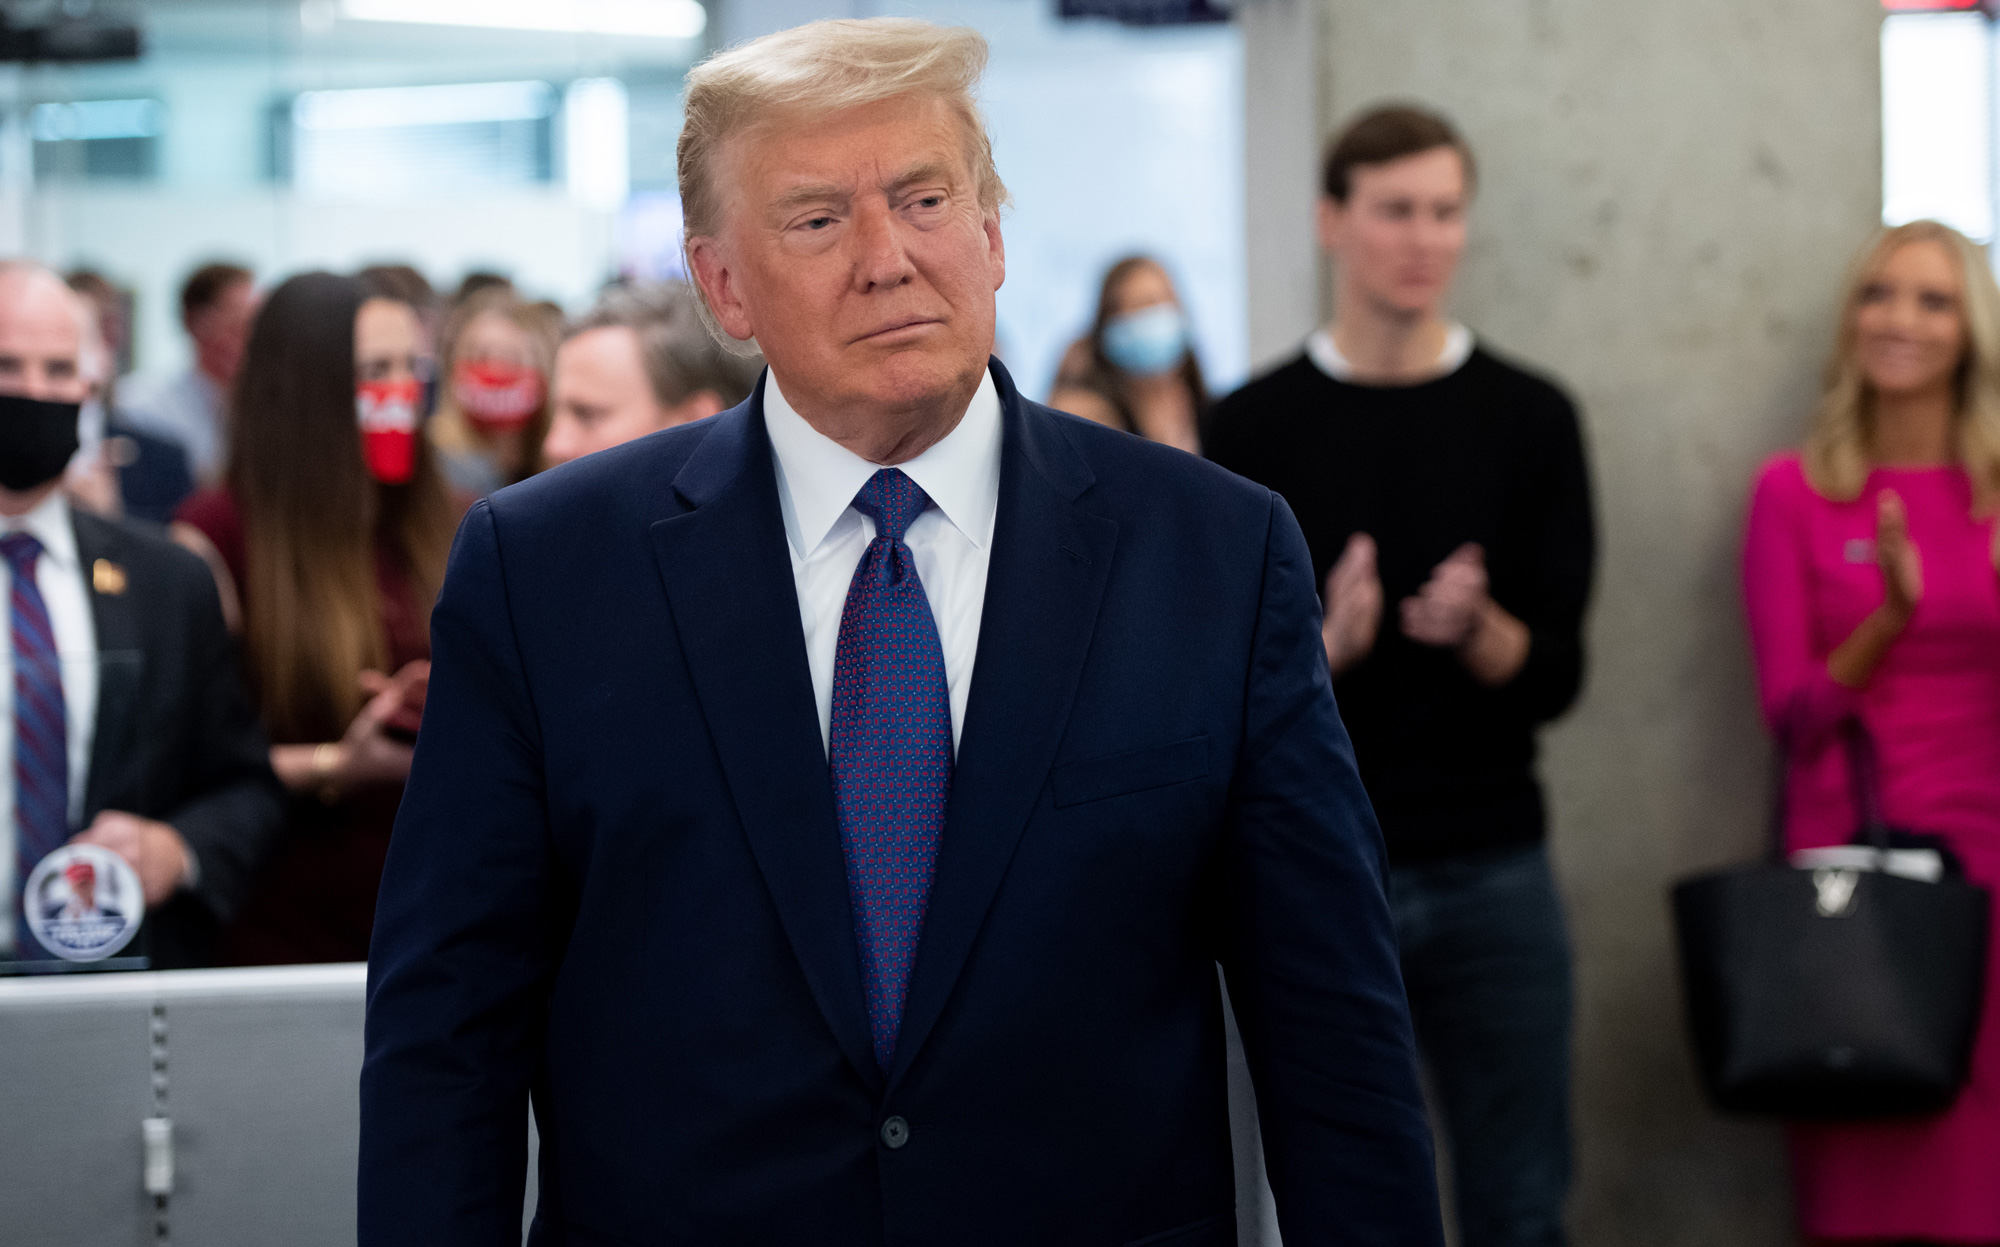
41, 735
890, 748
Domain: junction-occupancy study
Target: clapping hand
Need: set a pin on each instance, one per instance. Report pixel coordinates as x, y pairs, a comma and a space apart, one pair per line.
1902, 567
372, 751
1353, 604
1446, 610
1853, 662
413, 684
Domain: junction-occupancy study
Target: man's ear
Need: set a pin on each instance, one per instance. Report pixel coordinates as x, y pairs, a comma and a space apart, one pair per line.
996, 249
709, 265
1329, 219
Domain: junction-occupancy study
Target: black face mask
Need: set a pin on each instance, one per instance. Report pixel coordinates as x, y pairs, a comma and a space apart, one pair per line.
37, 438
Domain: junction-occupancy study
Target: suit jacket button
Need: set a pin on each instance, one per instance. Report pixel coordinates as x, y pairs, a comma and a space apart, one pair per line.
895, 1132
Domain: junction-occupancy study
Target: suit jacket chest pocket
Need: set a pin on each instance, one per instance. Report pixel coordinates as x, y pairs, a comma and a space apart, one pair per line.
1134, 770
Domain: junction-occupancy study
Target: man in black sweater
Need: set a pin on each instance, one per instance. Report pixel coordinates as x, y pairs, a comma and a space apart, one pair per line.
1444, 495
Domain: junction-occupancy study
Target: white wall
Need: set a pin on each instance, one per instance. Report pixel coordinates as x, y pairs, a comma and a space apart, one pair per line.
1938, 120
1108, 156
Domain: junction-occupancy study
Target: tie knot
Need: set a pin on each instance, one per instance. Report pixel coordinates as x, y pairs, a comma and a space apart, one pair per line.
21, 551
893, 501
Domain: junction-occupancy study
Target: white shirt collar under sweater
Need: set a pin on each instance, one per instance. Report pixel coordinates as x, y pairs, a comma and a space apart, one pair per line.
1327, 358
951, 542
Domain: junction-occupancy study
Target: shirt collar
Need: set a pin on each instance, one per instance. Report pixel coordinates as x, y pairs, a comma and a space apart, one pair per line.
818, 477
49, 523
1327, 358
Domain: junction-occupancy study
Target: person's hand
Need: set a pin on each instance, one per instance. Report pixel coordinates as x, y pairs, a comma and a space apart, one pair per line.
153, 849
413, 682
1853, 662
1445, 611
1353, 604
1902, 568
367, 754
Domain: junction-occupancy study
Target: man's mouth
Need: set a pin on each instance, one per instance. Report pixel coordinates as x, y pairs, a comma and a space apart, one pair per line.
898, 326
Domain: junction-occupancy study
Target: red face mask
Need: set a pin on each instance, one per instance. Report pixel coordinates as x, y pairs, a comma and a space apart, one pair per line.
496, 396
387, 412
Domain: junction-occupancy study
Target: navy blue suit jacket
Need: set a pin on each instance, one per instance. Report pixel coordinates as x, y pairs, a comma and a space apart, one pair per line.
617, 884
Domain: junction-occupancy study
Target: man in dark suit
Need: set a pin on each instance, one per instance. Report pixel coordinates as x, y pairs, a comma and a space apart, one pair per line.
127, 715
833, 812
140, 474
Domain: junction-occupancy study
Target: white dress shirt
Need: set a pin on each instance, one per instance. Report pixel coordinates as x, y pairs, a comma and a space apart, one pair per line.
59, 574
952, 541
1327, 358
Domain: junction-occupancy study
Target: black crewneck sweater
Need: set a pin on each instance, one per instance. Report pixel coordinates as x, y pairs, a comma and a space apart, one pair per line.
1487, 453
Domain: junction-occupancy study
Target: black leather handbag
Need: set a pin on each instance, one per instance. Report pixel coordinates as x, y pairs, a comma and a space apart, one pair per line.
1834, 992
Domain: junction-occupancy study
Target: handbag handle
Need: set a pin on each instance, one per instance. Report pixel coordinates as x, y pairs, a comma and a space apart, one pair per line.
1781, 776
1863, 781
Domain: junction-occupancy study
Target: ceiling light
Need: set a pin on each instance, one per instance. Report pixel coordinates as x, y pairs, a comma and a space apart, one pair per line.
97, 119
658, 19
372, 108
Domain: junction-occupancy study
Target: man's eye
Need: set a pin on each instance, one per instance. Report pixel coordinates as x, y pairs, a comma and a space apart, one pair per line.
819, 222
931, 201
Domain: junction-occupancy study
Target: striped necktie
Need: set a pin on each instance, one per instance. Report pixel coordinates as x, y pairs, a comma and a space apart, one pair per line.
41, 735
890, 749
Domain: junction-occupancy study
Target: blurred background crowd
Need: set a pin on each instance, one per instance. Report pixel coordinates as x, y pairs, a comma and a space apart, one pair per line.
333, 270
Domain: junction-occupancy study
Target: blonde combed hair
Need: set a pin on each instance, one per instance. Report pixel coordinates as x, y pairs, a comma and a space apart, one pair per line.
1839, 449
824, 67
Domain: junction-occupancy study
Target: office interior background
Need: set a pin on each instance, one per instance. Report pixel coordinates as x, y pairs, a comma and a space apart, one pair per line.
1669, 196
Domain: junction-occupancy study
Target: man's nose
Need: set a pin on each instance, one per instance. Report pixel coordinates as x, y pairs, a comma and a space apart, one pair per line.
1906, 315
1432, 232
880, 260
560, 446
34, 381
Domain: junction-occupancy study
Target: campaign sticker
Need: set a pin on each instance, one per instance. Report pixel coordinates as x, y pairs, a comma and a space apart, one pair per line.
83, 902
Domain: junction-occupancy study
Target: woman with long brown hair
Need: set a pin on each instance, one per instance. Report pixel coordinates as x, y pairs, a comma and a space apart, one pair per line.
1871, 574
1136, 370
331, 529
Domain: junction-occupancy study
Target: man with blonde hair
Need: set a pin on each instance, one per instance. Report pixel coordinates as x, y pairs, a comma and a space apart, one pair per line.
832, 813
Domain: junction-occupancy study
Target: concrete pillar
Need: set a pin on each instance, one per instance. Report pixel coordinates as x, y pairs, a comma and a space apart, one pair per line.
1281, 140
1669, 194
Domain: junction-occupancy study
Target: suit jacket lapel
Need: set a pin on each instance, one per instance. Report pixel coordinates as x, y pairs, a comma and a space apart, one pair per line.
118, 658
1046, 577
729, 584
